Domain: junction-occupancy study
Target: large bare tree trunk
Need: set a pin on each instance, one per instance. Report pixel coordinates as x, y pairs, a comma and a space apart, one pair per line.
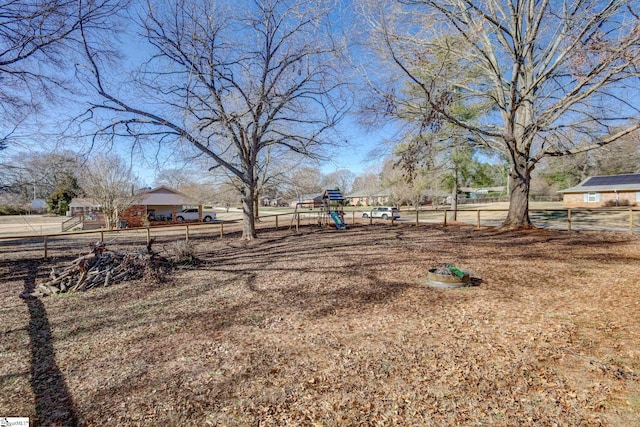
256, 206
249, 194
110, 220
248, 218
519, 185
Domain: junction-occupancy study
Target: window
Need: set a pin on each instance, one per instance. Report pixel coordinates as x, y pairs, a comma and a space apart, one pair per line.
591, 197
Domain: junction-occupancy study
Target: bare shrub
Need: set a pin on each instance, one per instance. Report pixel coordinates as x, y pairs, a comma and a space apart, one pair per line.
621, 202
183, 252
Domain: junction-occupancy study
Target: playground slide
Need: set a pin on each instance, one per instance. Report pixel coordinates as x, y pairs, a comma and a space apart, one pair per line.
340, 225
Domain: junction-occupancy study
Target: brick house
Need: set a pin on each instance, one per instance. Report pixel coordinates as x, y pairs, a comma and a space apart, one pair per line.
606, 190
369, 198
157, 205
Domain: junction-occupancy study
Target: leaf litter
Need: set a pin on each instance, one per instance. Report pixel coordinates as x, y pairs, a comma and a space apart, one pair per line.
338, 328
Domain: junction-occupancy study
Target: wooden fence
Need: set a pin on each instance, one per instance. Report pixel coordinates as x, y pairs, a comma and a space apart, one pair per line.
602, 219
614, 219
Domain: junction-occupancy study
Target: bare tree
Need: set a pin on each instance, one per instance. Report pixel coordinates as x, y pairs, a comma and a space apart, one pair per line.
341, 179
274, 168
38, 40
36, 174
303, 181
403, 190
368, 184
175, 177
108, 180
561, 77
620, 157
227, 195
230, 82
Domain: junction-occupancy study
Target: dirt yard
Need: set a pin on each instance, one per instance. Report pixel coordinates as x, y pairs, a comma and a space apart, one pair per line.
334, 328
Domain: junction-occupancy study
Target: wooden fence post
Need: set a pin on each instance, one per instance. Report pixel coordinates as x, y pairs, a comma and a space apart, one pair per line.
444, 223
478, 214
101, 236
276, 222
221, 230
631, 221
417, 216
46, 240
186, 233
569, 220
353, 217
148, 235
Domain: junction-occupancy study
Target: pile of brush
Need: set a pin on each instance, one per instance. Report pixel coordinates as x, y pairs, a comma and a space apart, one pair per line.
102, 268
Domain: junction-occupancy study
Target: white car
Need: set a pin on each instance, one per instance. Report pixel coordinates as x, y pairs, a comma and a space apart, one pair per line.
384, 212
191, 214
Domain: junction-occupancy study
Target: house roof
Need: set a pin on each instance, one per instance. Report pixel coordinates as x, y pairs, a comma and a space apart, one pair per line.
79, 202
164, 196
626, 182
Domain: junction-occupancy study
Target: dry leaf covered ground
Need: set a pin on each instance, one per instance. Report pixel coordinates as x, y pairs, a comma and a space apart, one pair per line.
337, 328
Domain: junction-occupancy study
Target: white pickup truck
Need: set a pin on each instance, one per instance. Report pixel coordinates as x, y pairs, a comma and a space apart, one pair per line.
191, 214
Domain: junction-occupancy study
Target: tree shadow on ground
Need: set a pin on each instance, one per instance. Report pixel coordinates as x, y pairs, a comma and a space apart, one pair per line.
53, 402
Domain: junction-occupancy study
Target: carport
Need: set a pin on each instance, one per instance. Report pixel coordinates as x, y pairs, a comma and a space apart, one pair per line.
157, 205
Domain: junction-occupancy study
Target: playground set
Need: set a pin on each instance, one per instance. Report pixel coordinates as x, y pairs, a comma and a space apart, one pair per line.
332, 207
